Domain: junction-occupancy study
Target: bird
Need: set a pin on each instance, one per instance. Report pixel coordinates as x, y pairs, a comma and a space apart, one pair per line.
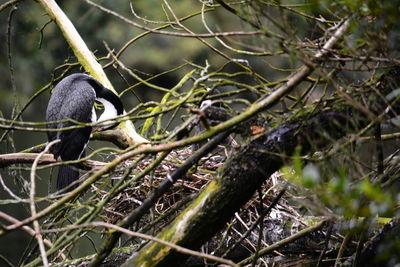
72, 101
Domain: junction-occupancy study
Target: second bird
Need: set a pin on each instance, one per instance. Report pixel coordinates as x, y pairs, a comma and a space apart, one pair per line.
73, 100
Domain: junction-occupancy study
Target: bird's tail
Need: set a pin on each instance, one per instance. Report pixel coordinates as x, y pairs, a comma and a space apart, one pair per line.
66, 176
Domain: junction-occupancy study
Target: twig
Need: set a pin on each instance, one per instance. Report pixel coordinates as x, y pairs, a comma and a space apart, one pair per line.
36, 225
11, 69
225, 44
250, 22
212, 192
283, 242
15, 158
179, 34
7, 4
6, 261
11, 193
29, 230
81, 51
379, 149
260, 233
361, 241
327, 238
127, 44
254, 225
213, 48
105, 169
147, 237
342, 248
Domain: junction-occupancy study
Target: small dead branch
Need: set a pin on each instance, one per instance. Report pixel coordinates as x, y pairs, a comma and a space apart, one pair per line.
44, 159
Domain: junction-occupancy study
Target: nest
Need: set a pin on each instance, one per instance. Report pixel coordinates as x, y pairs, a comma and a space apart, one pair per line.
282, 221
185, 188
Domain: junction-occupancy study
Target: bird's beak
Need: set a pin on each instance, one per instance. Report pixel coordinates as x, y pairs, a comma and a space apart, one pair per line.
97, 129
102, 128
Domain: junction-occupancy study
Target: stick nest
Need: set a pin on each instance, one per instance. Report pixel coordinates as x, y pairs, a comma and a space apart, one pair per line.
281, 222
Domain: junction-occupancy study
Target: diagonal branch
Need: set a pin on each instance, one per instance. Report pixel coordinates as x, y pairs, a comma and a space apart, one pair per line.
32, 204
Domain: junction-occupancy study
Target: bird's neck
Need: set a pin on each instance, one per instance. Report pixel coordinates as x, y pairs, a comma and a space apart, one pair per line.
109, 111
112, 106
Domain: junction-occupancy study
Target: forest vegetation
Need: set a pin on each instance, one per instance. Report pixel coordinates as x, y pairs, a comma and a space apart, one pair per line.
255, 133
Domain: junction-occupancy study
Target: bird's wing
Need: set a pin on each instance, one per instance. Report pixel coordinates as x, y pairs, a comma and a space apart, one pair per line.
73, 98
53, 111
72, 146
78, 104
79, 108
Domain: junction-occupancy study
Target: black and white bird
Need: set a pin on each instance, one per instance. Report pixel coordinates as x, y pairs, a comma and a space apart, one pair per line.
72, 100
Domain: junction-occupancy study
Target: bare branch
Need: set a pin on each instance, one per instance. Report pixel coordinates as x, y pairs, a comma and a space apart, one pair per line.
147, 237
15, 158
178, 34
32, 203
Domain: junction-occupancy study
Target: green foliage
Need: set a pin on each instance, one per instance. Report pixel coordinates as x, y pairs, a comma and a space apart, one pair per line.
339, 191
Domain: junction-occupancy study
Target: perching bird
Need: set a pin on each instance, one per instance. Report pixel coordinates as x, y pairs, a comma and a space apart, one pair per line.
74, 98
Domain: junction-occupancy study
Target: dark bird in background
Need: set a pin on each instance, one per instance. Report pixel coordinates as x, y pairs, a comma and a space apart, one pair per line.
73, 99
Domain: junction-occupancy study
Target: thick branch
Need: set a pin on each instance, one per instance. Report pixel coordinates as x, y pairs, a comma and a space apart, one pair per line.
117, 137
15, 158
